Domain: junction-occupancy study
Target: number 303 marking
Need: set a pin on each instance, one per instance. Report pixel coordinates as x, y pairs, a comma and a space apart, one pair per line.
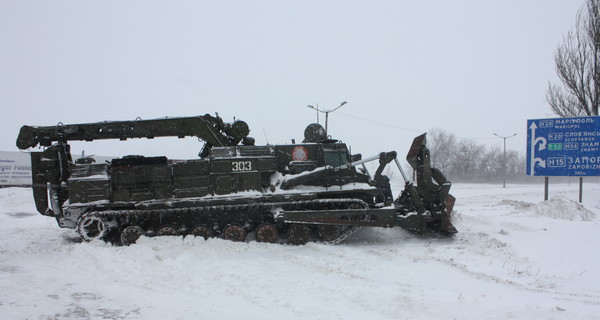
241, 166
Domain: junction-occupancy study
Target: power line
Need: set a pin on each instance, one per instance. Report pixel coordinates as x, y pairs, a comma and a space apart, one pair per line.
378, 122
401, 128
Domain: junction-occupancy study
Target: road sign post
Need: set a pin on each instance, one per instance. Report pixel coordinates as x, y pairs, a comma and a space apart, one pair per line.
564, 147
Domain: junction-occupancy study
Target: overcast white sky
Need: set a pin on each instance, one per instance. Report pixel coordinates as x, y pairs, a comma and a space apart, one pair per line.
471, 68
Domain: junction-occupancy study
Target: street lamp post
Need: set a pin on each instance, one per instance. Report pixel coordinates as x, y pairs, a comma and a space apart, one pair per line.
504, 157
326, 112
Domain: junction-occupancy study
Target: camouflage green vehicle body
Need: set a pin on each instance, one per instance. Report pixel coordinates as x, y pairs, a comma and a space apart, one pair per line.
294, 192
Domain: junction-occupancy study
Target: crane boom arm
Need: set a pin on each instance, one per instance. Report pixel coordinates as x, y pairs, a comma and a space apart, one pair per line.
208, 128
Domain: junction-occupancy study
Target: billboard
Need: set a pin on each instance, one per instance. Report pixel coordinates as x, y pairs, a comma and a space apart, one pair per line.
15, 168
563, 147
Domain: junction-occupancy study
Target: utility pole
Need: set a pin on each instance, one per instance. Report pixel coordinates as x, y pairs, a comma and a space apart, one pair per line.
326, 112
504, 158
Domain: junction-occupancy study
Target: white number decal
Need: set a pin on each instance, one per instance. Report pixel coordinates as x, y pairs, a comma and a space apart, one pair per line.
241, 166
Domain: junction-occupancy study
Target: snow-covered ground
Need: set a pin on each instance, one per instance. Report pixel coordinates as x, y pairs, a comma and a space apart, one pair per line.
515, 257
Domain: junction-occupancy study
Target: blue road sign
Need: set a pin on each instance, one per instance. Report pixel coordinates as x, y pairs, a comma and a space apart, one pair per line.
563, 147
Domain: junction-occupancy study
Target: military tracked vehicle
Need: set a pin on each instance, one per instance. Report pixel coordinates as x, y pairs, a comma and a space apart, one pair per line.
314, 190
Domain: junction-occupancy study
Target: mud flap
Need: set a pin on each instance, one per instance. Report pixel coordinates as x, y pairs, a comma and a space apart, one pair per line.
39, 186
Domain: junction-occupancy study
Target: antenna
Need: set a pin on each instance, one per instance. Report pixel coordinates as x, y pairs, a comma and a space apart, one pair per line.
265, 133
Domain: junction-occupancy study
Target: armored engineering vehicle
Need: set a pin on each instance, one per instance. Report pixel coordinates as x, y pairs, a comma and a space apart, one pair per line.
293, 192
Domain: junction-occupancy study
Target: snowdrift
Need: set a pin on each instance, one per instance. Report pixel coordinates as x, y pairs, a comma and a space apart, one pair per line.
514, 258
559, 207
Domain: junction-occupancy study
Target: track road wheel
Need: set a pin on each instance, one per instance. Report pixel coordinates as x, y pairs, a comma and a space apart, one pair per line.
266, 232
91, 227
356, 206
167, 231
298, 233
234, 233
329, 232
202, 231
131, 234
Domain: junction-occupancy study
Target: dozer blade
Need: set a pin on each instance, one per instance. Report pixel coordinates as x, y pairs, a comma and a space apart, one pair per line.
446, 225
432, 187
450, 200
415, 149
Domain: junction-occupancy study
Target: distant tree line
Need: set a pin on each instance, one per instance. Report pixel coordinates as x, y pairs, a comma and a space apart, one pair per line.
465, 160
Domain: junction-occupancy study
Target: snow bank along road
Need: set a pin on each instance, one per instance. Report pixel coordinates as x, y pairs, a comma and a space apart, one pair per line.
516, 257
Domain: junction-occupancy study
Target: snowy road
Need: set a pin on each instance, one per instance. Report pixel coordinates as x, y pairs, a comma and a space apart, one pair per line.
515, 257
